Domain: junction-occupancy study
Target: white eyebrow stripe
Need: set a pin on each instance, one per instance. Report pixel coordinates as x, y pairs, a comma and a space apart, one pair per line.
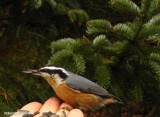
55, 68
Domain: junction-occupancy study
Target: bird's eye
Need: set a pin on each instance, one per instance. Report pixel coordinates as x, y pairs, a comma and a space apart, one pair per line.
48, 71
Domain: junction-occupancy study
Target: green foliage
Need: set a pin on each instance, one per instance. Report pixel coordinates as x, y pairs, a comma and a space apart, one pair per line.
156, 69
36, 3
125, 6
102, 75
116, 89
120, 54
145, 4
101, 41
52, 3
155, 20
136, 93
98, 26
66, 43
70, 51
61, 9
123, 31
119, 51
154, 7
118, 47
63, 52
77, 15
155, 57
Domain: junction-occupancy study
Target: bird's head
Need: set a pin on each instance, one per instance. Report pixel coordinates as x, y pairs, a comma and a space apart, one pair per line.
49, 71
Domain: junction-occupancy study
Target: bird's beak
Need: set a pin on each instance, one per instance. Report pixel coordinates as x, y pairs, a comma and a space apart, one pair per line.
34, 72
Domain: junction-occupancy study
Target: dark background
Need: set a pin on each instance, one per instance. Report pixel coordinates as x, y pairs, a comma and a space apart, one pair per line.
27, 29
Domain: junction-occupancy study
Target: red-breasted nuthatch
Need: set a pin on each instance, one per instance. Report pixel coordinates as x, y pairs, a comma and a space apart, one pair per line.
74, 89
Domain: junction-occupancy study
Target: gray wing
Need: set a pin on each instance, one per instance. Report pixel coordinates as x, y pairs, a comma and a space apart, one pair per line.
82, 84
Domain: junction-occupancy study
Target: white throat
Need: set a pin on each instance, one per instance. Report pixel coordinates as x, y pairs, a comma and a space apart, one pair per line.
58, 79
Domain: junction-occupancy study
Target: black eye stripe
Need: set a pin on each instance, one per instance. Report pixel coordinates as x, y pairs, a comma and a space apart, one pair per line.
55, 71
47, 71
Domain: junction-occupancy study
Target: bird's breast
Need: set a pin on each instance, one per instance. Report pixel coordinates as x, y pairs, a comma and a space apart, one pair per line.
67, 94
76, 98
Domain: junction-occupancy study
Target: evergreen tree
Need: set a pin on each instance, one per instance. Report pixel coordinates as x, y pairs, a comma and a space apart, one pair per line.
119, 50
124, 57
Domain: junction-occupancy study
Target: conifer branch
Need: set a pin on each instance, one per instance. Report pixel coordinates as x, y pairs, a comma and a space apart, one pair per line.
78, 15
98, 26
125, 6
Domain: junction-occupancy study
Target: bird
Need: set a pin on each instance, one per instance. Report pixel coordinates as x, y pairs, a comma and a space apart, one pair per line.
74, 89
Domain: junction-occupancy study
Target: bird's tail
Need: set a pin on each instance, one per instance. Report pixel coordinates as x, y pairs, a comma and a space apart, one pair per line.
112, 99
